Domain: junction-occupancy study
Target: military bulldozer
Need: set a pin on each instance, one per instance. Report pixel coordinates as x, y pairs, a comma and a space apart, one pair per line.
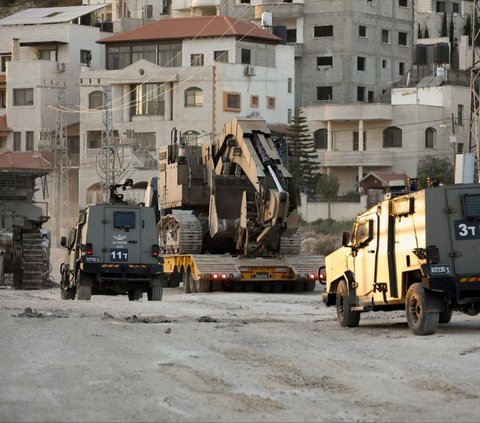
24, 244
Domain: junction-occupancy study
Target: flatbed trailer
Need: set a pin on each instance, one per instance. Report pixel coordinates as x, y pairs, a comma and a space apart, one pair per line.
213, 272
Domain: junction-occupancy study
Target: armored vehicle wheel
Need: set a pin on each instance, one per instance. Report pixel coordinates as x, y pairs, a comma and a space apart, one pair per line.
346, 317
445, 316
68, 294
83, 287
155, 293
134, 295
419, 320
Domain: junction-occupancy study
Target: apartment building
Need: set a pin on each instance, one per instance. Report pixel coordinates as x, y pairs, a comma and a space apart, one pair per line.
181, 75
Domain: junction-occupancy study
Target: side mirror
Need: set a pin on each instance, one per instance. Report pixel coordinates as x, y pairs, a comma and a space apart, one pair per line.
63, 241
345, 239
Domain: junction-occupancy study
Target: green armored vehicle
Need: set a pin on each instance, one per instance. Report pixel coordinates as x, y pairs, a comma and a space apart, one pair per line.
418, 251
113, 249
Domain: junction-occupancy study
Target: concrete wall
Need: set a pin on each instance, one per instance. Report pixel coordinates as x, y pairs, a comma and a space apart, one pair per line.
311, 211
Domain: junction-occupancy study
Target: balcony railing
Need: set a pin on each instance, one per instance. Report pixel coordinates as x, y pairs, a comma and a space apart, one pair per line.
336, 158
280, 10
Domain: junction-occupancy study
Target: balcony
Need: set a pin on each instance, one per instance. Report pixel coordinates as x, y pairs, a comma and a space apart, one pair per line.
280, 10
206, 3
349, 112
381, 158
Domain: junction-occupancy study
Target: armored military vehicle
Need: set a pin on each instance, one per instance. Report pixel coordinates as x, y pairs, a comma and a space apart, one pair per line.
417, 251
113, 249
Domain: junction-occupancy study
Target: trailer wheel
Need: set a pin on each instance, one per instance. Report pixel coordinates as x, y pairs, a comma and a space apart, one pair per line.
345, 315
309, 285
186, 282
204, 285
155, 293
83, 287
419, 320
445, 316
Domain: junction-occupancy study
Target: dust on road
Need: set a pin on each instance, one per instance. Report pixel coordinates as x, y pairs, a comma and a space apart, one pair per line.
228, 357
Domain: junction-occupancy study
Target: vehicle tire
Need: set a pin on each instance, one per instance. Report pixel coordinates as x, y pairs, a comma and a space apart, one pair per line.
346, 317
445, 316
83, 287
204, 285
155, 293
134, 294
309, 285
186, 282
419, 320
66, 293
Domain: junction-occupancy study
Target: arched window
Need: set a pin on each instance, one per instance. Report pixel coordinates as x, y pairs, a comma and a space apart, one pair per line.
95, 100
193, 97
430, 137
392, 137
320, 137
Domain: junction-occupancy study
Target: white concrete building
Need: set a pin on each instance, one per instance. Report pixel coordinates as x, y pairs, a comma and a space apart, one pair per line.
191, 74
355, 139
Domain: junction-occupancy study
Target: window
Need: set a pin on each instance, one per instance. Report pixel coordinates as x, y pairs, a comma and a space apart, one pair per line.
47, 55
371, 95
292, 35
289, 85
146, 52
124, 219
196, 59
455, 8
85, 57
3, 99
95, 100
245, 59
29, 141
94, 139
356, 140
146, 140
362, 31
270, 102
149, 11
17, 141
403, 3
320, 139
324, 93
231, 102
401, 68
385, 36
170, 55
360, 93
148, 99
254, 101
392, 137
323, 31
324, 61
384, 63
193, 97
460, 115
3, 62
220, 56
440, 7
23, 96
289, 115
360, 63
430, 135
402, 38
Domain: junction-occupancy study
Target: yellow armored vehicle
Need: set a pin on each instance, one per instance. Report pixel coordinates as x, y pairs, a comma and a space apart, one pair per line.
418, 251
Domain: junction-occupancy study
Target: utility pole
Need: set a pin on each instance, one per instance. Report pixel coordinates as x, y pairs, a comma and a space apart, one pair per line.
474, 136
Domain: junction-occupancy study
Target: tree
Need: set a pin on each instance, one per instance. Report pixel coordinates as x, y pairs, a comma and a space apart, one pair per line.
303, 161
327, 187
439, 167
444, 32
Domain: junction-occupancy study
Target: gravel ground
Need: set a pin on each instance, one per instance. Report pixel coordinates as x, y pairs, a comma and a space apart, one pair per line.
227, 357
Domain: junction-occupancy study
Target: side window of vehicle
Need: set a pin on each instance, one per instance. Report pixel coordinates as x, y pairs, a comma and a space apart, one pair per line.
363, 233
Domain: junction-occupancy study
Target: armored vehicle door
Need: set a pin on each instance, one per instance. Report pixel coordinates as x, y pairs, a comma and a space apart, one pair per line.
364, 239
463, 210
122, 234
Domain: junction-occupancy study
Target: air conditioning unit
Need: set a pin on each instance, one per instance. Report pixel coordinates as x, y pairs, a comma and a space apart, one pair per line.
249, 71
60, 67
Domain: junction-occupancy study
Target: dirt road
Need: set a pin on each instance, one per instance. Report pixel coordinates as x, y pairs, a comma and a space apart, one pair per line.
228, 357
